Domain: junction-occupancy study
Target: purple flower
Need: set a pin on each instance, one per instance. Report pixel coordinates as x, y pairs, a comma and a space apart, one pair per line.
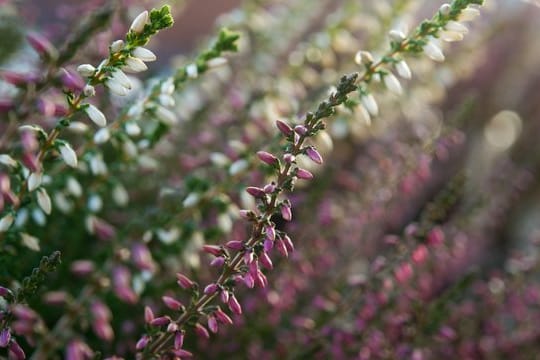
16, 351
303, 174
178, 340
235, 245
284, 128
148, 315
286, 212
210, 289
234, 305
213, 250
160, 321
265, 260
143, 341
212, 324
314, 155
300, 129
172, 303
184, 281
222, 317
256, 192
5, 337
201, 331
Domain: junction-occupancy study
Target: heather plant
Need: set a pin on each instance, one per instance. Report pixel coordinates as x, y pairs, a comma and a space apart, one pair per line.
217, 208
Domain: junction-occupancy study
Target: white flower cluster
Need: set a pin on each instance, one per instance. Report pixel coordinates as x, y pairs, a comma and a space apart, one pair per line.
452, 31
117, 81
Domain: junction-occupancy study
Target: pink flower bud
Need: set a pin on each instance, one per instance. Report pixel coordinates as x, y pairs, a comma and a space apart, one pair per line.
270, 232
41, 45
224, 296
247, 214
249, 281
172, 327
100, 311
148, 315
419, 255
103, 230
160, 321
212, 324
300, 129
5, 292
222, 317
184, 281
71, 81
218, 262
31, 162
6, 105
265, 260
178, 340
267, 157
435, 236
248, 257
255, 192
234, 305
303, 174
143, 341
284, 128
235, 245
201, 331
82, 267
5, 337
268, 245
280, 245
288, 243
23, 327
213, 250
403, 272
16, 351
314, 155
269, 188
103, 330
210, 289
261, 280
286, 212
23, 312
181, 353
172, 303
142, 257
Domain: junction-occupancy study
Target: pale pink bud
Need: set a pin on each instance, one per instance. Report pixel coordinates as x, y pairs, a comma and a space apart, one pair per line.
248, 257
142, 257
181, 353
289, 158
286, 212
210, 289
222, 317
314, 155
265, 260
42, 46
284, 128
213, 250
268, 245
235, 245
179, 340
160, 321
172, 327
184, 281
172, 303
255, 191
435, 236
224, 296
234, 305
103, 330
249, 281
419, 255
218, 261
201, 331
143, 341
280, 245
267, 157
102, 229
288, 243
269, 188
403, 272
303, 174
212, 324
16, 351
100, 311
270, 232
148, 315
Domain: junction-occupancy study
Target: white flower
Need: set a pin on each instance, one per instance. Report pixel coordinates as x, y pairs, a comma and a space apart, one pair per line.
216, 62
97, 165
468, 14
364, 114
166, 100
121, 78
6, 222
192, 71
68, 154
116, 88
132, 129
120, 195
62, 203
102, 136
363, 57
144, 54
168, 236
167, 87
445, 9
44, 201
238, 166
134, 65
392, 83
30, 241
7, 160
74, 187
86, 70
34, 181
78, 127
166, 116
129, 148
433, 51
397, 35
117, 45
89, 90
39, 217
191, 200
451, 36
456, 27
95, 115
137, 26
370, 104
95, 203
403, 69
